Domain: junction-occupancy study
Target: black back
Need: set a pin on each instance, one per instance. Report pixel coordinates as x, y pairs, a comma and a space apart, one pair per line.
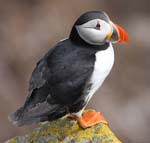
63, 72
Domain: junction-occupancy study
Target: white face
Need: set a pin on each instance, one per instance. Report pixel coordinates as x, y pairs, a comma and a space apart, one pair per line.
94, 31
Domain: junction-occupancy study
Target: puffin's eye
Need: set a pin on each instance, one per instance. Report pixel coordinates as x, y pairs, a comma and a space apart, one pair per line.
98, 26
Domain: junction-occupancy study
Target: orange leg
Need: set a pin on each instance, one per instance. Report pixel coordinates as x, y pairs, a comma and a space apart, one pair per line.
90, 118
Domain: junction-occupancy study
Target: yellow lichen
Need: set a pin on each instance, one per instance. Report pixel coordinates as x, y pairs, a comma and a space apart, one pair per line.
33, 137
87, 133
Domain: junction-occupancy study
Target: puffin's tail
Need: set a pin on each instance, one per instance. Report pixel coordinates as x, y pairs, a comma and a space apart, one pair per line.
40, 113
18, 118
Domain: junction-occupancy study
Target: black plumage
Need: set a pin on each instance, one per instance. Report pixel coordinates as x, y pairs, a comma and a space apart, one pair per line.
57, 83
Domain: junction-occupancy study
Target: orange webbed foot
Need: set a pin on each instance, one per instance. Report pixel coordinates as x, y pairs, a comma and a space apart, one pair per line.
89, 118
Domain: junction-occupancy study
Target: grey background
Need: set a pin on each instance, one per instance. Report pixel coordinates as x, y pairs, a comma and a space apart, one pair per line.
28, 28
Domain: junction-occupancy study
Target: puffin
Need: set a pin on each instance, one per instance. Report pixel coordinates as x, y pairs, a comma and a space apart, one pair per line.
68, 75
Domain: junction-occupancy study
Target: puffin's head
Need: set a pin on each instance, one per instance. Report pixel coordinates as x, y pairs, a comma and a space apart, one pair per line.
96, 28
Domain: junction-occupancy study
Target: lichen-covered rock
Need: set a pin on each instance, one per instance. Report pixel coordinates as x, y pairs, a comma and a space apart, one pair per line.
67, 131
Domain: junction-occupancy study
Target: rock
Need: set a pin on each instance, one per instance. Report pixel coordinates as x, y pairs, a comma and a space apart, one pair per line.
67, 131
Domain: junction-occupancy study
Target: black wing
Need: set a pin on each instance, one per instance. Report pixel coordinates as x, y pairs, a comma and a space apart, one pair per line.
58, 81
62, 73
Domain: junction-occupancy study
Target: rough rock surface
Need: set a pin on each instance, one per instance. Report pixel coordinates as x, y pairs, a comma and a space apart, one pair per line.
67, 131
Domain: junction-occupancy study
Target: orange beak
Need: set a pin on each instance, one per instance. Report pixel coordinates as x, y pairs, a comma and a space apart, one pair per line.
123, 36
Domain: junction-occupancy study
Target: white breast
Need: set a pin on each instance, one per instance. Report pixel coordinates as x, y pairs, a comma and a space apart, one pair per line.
103, 65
